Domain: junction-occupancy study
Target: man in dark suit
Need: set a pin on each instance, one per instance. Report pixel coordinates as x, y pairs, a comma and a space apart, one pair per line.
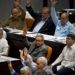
43, 22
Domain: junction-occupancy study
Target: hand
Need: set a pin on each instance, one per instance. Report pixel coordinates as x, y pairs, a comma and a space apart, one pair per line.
24, 31
16, 4
21, 54
10, 65
53, 2
28, 2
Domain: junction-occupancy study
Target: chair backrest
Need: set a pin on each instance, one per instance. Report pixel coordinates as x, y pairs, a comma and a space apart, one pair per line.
49, 52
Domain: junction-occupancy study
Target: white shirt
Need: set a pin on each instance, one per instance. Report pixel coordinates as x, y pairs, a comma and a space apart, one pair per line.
3, 46
67, 57
4, 34
38, 26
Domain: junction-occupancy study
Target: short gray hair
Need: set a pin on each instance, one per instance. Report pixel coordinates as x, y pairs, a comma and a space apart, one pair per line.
39, 35
26, 69
43, 60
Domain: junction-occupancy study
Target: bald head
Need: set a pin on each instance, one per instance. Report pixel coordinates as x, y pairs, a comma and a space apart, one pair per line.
25, 70
15, 13
41, 62
64, 17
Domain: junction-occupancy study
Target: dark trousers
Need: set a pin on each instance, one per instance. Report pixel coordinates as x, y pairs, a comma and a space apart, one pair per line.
63, 71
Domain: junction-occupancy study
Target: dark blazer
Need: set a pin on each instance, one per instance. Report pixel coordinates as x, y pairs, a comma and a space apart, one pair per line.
48, 27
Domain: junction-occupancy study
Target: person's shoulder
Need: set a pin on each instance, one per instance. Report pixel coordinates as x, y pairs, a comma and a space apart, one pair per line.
69, 23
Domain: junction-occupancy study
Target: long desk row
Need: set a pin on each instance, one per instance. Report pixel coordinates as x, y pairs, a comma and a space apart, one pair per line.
17, 41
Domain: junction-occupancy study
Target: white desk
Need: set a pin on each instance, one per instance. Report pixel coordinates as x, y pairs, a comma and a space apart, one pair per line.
48, 37
5, 59
33, 34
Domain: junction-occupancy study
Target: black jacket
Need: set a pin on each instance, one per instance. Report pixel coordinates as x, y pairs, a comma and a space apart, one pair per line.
48, 27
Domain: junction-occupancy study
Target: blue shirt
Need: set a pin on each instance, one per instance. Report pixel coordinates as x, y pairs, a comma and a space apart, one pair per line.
61, 30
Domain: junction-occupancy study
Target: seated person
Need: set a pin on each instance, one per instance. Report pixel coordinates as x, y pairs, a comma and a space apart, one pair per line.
3, 44
66, 58
63, 26
1, 27
38, 48
17, 19
42, 67
23, 71
43, 22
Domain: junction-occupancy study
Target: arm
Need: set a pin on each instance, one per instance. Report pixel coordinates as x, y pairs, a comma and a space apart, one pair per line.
71, 63
12, 71
22, 16
23, 13
53, 12
5, 48
30, 10
5, 51
32, 13
59, 59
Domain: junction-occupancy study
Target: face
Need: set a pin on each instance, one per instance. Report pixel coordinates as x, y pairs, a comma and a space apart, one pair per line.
39, 64
64, 18
69, 41
45, 13
15, 13
38, 41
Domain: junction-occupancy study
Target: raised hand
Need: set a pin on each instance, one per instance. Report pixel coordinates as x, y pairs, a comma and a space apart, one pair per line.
28, 2
21, 54
10, 65
53, 2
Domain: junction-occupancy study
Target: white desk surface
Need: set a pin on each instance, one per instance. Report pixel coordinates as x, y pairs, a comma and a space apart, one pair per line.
5, 59
46, 37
